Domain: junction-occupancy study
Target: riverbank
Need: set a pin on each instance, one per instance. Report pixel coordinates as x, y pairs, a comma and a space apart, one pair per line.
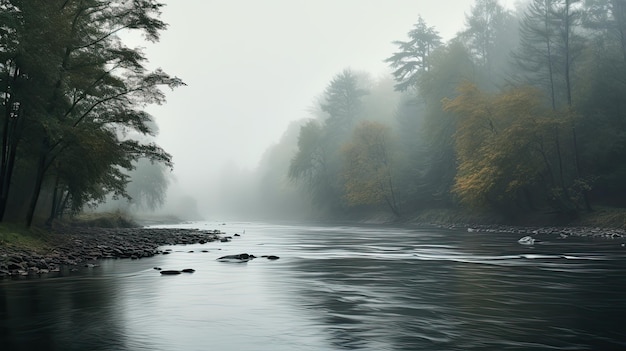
602, 224
39, 253
70, 247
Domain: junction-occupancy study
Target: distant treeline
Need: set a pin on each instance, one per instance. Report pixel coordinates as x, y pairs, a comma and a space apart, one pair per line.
522, 111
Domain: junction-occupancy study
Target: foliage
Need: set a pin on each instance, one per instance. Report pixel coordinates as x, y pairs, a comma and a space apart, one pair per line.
520, 113
317, 161
148, 184
489, 37
414, 55
507, 146
71, 93
368, 167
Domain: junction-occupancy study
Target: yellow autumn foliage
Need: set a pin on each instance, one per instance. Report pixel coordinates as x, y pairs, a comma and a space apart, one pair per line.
367, 170
500, 142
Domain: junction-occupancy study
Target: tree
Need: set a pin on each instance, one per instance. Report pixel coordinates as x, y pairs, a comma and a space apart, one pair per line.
368, 168
488, 36
414, 55
452, 65
72, 77
308, 164
505, 150
318, 159
342, 104
537, 54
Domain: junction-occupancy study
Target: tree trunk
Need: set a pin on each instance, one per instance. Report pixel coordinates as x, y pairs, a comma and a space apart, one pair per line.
41, 170
10, 137
55, 201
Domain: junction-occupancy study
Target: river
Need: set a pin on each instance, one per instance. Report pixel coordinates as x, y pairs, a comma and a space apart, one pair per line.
335, 287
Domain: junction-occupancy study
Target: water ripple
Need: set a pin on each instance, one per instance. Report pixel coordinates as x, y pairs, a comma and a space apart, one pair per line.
340, 287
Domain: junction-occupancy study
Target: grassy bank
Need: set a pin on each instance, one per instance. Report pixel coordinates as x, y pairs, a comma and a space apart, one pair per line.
115, 219
22, 238
38, 239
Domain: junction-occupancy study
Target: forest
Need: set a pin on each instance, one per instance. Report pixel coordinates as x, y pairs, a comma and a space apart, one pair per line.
73, 97
523, 111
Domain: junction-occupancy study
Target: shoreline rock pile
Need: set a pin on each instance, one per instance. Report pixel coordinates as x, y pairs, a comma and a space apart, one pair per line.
556, 232
76, 246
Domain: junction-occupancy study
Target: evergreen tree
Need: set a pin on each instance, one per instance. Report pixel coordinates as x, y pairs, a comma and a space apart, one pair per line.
414, 55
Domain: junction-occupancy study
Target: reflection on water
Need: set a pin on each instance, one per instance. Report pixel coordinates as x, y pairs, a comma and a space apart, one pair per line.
334, 288
65, 315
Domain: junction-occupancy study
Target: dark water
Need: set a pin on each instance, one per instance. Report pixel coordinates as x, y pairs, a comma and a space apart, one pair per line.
334, 288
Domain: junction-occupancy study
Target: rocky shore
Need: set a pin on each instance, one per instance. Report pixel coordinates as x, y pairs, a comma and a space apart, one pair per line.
83, 247
74, 247
591, 233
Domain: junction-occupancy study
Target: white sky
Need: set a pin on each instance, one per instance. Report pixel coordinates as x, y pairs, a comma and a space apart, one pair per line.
252, 66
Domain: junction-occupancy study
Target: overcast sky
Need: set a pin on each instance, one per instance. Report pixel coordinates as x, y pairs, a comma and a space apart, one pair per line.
252, 66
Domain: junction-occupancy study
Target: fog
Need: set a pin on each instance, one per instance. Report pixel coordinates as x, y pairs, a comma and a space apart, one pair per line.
254, 68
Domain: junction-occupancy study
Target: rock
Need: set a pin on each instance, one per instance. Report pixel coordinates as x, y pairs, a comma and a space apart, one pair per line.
170, 272
271, 257
244, 257
14, 266
188, 270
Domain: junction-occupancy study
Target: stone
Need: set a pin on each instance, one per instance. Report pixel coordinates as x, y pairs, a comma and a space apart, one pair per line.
14, 266
170, 272
243, 257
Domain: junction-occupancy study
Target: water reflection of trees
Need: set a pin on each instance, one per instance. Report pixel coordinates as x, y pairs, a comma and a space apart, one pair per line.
72, 314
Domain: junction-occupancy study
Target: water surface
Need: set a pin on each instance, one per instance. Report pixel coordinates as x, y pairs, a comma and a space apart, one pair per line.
333, 288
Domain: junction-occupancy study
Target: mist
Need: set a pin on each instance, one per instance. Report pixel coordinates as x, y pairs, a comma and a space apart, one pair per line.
252, 69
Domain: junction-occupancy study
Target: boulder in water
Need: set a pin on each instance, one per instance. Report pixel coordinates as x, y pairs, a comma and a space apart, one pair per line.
244, 257
170, 272
527, 240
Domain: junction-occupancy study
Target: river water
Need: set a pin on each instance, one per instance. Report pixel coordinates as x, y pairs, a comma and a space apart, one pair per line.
333, 288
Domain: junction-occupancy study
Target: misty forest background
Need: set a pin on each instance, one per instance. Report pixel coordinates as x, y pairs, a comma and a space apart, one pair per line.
523, 112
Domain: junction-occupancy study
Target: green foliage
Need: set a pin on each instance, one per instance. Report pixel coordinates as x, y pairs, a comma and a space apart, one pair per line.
541, 132
414, 55
318, 159
116, 219
75, 91
489, 37
148, 184
22, 238
309, 159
